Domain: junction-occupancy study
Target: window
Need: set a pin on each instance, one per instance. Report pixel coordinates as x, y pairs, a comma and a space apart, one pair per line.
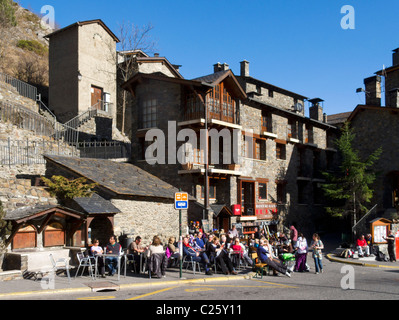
280, 151
212, 191
148, 114
260, 149
292, 129
267, 122
271, 93
262, 191
281, 194
302, 192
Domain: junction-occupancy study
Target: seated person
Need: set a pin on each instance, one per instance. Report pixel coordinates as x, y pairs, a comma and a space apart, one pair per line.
113, 247
94, 250
156, 263
172, 251
200, 241
155, 247
265, 256
197, 256
221, 256
135, 250
361, 244
239, 247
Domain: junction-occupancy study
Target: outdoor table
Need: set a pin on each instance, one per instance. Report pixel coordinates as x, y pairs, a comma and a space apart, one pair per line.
105, 255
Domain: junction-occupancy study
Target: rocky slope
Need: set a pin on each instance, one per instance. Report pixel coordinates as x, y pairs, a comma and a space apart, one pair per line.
24, 49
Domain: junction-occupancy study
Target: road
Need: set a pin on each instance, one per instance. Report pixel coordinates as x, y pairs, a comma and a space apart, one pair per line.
338, 282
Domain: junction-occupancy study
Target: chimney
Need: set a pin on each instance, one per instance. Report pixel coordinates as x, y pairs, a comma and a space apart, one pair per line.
156, 54
220, 67
394, 98
395, 57
244, 68
217, 67
316, 109
373, 90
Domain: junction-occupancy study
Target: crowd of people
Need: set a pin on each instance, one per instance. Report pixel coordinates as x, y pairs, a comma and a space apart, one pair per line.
225, 250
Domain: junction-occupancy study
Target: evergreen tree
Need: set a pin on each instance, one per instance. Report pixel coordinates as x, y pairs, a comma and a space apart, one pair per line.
349, 189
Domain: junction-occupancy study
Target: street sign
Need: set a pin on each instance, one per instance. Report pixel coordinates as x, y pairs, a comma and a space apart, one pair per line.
181, 200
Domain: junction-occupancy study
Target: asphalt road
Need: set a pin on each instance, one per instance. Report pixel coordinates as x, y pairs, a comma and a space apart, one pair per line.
337, 282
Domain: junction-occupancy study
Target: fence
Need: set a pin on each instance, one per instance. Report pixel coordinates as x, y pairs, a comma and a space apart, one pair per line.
24, 118
19, 152
104, 150
23, 88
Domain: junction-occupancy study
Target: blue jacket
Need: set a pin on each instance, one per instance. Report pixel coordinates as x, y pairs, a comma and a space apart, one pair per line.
188, 251
263, 254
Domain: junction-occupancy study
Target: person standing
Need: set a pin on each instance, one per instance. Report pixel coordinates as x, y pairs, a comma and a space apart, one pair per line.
391, 246
302, 251
293, 235
317, 245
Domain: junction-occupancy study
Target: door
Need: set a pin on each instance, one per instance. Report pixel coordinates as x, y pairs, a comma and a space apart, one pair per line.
96, 96
248, 198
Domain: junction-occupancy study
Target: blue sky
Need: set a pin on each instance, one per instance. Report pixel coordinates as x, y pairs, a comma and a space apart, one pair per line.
296, 45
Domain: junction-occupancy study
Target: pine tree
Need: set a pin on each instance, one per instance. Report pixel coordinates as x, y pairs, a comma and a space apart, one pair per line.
349, 189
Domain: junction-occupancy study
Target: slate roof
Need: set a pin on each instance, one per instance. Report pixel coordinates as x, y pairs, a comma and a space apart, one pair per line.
24, 212
338, 118
120, 178
96, 204
28, 211
217, 208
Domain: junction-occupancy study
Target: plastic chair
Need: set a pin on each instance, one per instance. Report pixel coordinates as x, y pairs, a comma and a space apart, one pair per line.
60, 264
189, 261
85, 262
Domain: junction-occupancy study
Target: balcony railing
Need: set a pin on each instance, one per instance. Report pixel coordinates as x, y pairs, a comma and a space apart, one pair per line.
225, 112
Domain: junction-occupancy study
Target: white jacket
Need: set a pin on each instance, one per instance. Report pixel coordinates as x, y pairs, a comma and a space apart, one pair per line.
302, 245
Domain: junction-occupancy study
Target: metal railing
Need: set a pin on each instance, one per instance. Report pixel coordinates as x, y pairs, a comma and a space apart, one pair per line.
87, 115
104, 150
24, 89
26, 119
25, 152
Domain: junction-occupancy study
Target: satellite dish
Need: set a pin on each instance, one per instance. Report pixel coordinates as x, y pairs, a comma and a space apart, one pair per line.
298, 107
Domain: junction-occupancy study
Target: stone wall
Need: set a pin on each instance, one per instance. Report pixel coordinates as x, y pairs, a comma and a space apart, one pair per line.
147, 219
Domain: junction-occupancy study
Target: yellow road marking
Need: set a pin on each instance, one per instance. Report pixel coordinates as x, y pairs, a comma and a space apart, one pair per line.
97, 298
198, 289
277, 284
152, 293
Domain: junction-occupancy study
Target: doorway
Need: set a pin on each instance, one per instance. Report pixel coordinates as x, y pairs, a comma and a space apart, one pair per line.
247, 198
96, 96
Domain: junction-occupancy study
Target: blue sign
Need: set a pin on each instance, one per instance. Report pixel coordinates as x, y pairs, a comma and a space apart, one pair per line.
181, 201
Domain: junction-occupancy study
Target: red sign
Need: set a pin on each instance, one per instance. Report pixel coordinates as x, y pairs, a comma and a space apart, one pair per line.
237, 209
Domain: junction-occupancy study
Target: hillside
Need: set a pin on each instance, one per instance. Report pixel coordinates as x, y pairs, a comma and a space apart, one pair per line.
24, 51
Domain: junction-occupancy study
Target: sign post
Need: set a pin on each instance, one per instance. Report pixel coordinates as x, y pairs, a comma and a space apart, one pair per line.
181, 203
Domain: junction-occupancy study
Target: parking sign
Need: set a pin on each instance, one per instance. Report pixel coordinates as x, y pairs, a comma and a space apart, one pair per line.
181, 200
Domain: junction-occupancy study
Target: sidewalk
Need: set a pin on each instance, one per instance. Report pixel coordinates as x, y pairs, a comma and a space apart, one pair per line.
60, 284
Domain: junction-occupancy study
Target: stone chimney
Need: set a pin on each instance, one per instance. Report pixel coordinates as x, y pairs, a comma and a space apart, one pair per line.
316, 109
394, 98
220, 67
395, 57
244, 68
373, 90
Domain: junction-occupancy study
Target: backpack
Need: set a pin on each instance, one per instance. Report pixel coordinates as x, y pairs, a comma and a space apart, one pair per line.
381, 256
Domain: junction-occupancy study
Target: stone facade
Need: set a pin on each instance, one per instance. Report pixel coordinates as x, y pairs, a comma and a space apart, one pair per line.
88, 50
293, 149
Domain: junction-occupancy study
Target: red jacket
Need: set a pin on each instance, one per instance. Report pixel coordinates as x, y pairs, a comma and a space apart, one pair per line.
361, 243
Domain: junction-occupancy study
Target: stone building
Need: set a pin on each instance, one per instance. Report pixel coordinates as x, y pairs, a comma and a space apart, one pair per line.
82, 73
274, 177
144, 203
377, 125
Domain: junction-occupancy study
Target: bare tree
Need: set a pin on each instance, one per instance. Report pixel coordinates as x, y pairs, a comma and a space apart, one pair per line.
134, 41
